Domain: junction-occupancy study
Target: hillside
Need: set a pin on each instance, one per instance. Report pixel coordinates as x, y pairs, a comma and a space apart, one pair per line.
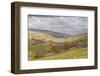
44, 36
47, 37
74, 53
46, 47
51, 33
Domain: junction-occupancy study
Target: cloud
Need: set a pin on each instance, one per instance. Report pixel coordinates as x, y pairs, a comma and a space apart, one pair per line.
63, 24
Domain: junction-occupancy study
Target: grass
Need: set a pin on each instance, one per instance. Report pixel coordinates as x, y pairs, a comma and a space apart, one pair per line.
44, 36
45, 51
74, 53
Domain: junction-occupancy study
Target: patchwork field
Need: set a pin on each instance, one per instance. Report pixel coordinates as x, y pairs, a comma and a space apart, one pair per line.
43, 46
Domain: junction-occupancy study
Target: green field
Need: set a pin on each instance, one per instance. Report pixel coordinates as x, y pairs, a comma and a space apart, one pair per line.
74, 53
45, 47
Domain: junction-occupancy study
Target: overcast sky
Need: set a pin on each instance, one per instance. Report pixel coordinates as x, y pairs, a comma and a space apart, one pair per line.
61, 24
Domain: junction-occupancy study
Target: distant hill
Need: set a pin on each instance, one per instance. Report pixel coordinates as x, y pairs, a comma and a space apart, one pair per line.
44, 37
54, 34
47, 37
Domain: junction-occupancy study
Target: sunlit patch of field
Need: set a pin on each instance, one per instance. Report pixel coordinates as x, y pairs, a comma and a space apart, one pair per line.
74, 53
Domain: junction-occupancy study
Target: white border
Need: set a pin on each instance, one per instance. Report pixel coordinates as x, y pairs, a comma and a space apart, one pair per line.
25, 64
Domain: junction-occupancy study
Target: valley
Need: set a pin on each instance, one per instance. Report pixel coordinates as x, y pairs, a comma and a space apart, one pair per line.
45, 46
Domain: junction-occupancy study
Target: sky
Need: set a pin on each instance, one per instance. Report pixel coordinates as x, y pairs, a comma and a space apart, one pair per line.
61, 24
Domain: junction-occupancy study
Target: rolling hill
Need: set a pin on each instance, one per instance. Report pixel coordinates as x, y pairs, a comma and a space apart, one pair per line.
51, 33
47, 47
44, 37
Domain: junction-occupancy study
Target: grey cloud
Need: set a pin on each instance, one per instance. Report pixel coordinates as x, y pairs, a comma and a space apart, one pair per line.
62, 24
